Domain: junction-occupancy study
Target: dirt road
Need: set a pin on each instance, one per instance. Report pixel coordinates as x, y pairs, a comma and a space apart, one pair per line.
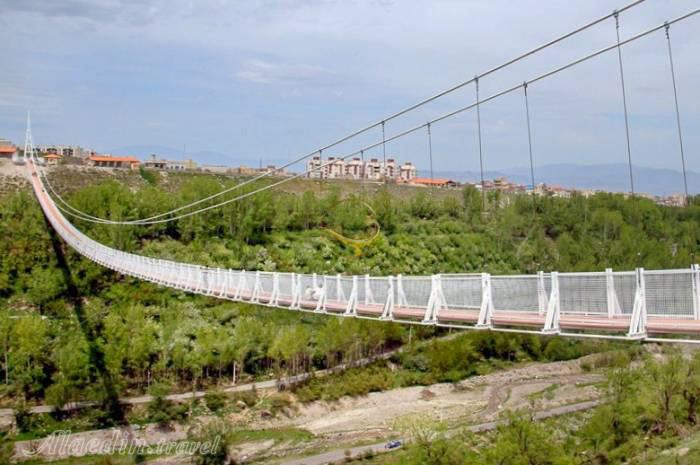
380, 447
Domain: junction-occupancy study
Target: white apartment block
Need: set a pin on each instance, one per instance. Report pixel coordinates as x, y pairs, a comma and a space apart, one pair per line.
337, 168
355, 169
65, 150
407, 172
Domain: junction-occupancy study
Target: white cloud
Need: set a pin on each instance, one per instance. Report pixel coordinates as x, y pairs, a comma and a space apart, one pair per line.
267, 72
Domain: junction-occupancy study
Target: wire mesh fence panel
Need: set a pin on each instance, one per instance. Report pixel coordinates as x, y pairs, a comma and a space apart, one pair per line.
625, 284
346, 283
331, 286
379, 288
286, 288
207, 276
583, 293
515, 293
267, 283
231, 282
307, 284
245, 284
669, 292
462, 291
416, 289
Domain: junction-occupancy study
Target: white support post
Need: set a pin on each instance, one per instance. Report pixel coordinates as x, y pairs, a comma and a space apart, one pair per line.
188, 273
369, 298
613, 303
638, 322
240, 285
435, 302
218, 282
388, 310
210, 279
178, 276
551, 320
339, 292
486, 310
299, 293
541, 293
274, 298
256, 288
225, 283
696, 290
400, 294
201, 288
295, 291
351, 308
321, 304
314, 280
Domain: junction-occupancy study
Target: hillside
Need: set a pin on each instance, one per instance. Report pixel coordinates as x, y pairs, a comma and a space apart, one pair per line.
76, 331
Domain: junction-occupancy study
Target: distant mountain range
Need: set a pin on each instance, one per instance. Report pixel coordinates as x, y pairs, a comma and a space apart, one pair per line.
609, 177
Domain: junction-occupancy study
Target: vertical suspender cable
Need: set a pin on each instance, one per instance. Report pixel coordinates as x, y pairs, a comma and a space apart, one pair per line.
384, 149
430, 154
678, 113
322, 168
616, 14
529, 138
481, 155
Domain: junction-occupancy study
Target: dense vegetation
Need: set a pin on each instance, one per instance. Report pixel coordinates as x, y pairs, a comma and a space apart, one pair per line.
83, 332
445, 360
141, 333
651, 407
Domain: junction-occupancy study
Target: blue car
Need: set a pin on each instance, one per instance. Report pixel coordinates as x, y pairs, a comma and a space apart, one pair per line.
393, 444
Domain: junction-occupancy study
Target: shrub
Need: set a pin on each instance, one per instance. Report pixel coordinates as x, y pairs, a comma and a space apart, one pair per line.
215, 401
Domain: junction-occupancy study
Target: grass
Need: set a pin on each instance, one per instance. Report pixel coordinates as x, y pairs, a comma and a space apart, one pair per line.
686, 452
546, 393
293, 435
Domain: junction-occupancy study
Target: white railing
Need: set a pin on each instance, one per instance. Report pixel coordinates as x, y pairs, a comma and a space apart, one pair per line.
550, 302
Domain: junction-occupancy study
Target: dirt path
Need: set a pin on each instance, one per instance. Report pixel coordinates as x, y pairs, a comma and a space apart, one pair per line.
479, 398
339, 455
7, 414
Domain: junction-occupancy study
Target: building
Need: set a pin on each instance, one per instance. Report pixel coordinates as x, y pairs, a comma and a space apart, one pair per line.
373, 169
154, 163
673, 200
391, 169
51, 159
437, 182
407, 172
7, 150
355, 169
313, 167
65, 150
334, 168
175, 165
338, 168
109, 161
217, 169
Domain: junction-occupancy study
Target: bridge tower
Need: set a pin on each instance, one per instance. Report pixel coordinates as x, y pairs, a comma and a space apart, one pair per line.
28, 144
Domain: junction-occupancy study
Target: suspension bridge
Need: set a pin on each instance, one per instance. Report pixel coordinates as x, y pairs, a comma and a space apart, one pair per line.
655, 305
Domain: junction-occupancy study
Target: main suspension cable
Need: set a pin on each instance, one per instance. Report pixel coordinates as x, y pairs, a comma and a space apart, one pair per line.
421, 126
393, 116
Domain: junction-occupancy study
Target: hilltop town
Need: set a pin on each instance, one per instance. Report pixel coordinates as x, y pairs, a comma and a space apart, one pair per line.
317, 168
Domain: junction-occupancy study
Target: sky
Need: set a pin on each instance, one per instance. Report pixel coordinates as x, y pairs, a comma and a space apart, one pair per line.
270, 80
